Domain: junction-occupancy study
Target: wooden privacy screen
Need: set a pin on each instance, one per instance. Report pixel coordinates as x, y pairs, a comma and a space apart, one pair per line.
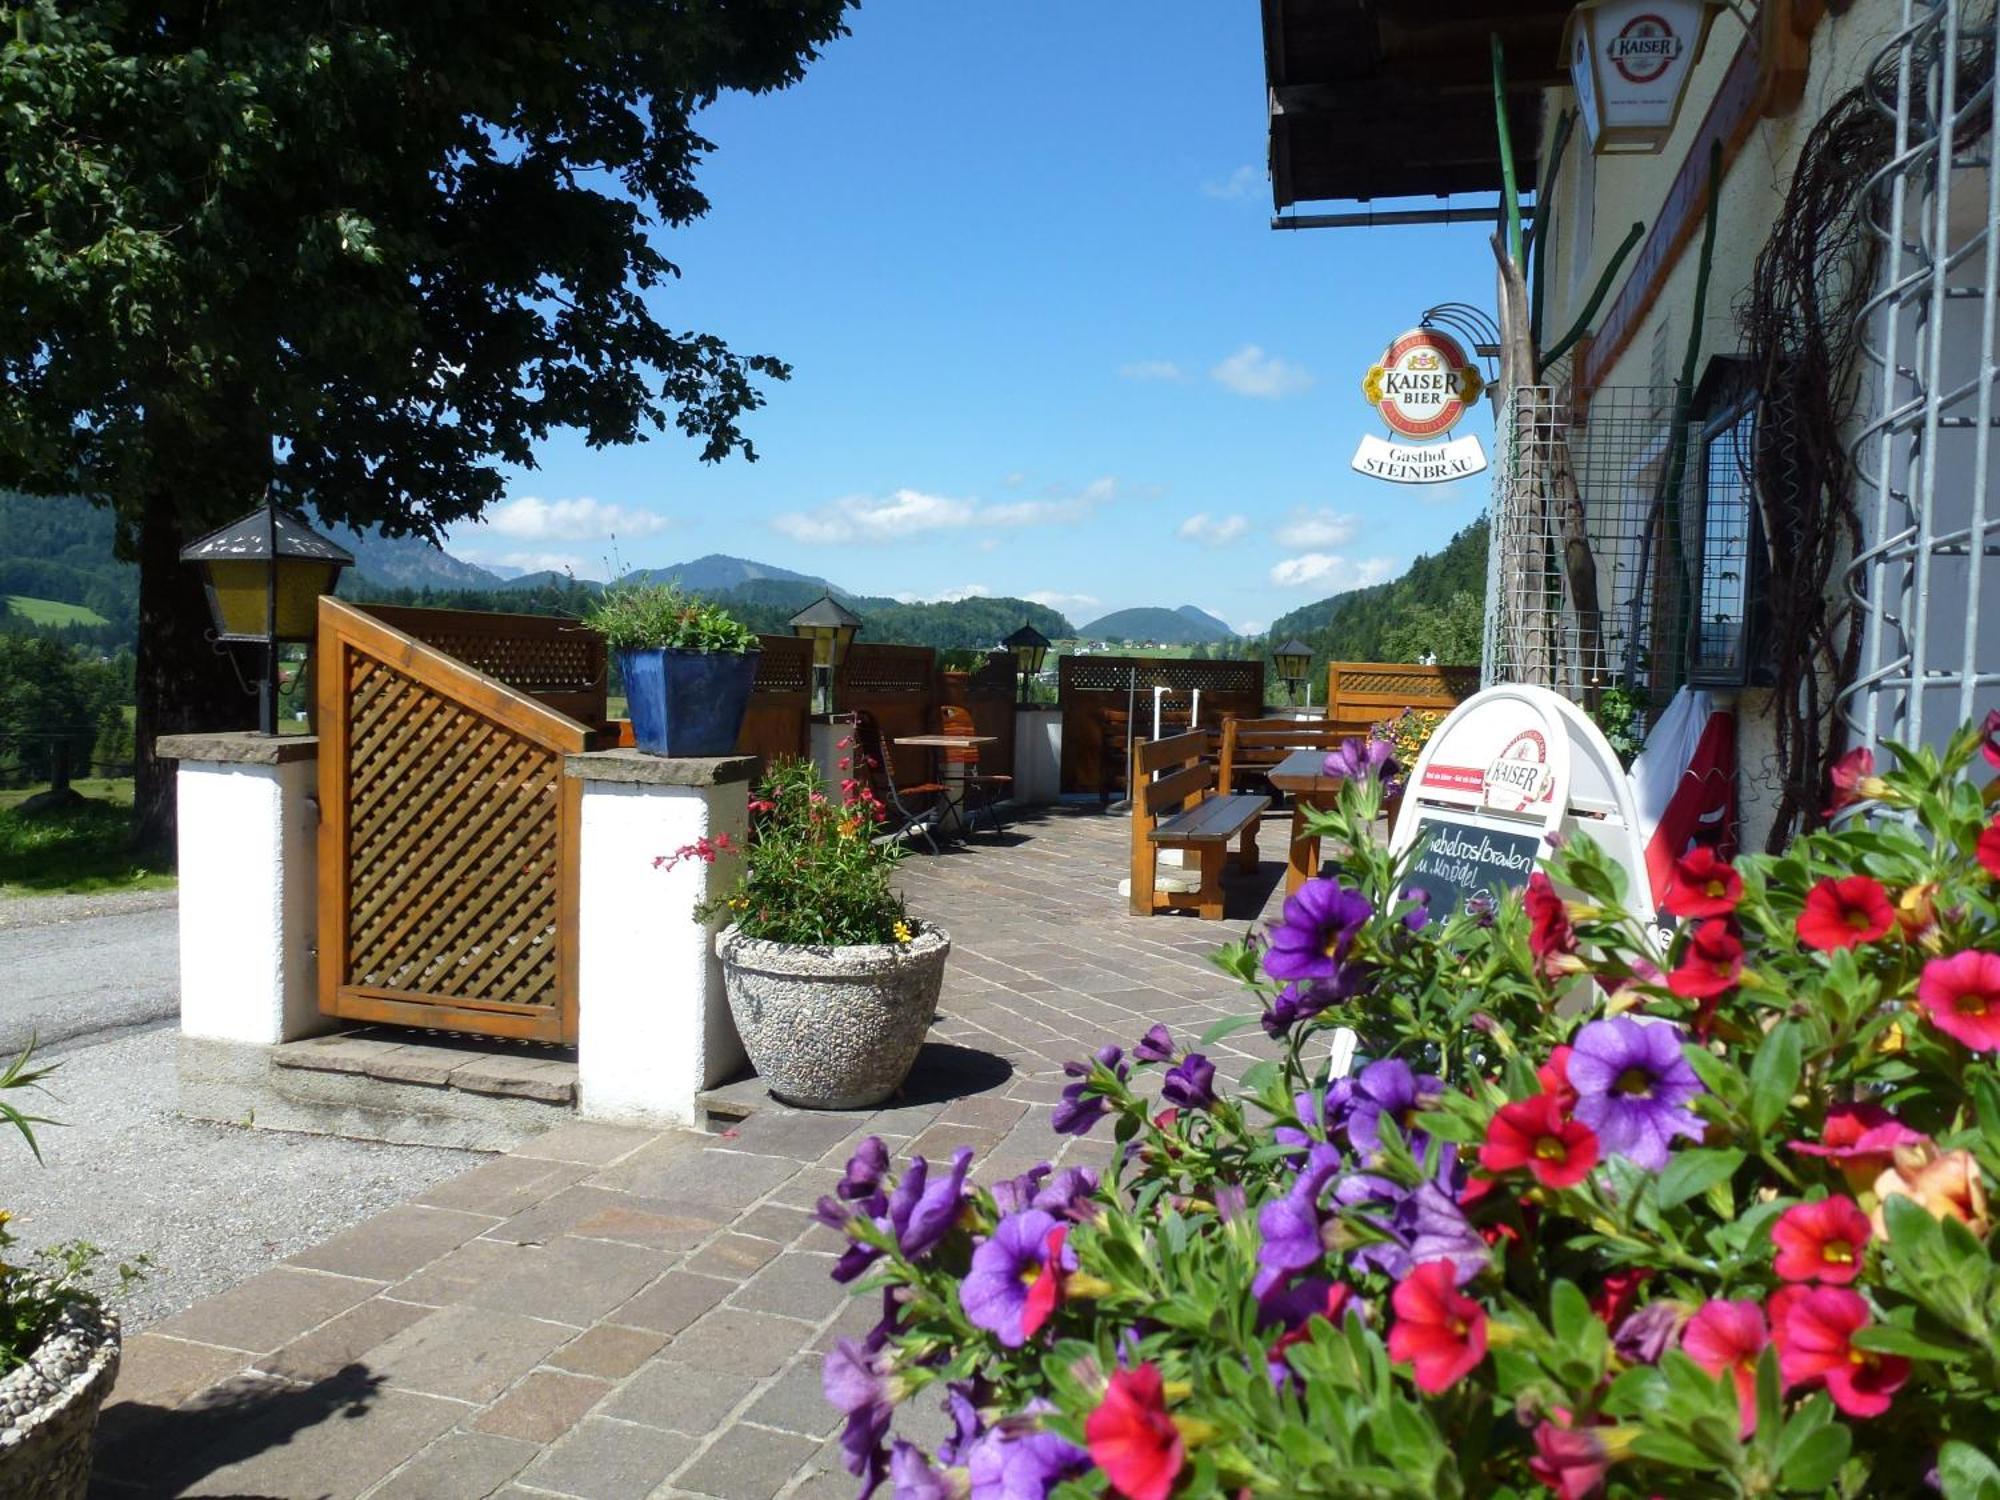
896, 685
988, 695
1093, 691
448, 833
774, 726
557, 661
1363, 693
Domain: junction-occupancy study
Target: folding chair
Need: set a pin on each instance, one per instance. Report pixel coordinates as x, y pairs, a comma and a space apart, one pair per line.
872, 761
982, 791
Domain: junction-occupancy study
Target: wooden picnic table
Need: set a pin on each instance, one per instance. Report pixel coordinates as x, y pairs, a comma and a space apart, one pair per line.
1302, 775
950, 818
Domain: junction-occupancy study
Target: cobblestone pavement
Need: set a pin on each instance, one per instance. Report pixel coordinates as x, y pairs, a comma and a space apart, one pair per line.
610, 1314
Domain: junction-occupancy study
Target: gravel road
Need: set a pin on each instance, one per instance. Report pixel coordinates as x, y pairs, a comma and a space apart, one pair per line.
213, 1204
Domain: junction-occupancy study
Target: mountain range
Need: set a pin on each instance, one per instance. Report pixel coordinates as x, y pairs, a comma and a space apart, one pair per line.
1186, 626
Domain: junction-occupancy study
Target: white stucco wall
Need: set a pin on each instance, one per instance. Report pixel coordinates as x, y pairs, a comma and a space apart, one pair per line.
1037, 755
653, 1026
248, 843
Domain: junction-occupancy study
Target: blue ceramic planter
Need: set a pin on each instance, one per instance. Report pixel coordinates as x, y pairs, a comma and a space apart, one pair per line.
687, 702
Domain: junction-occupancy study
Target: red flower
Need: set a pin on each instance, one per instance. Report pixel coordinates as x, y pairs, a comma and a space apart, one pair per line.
1554, 1078
1729, 1336
1550, 936
1859, 1139
1131, 1437
1045, 1292
1821, 1241
1615, 1297
1439, 1331
1533, 1133
1988, 848
1818, 1344
1990, 745
1569, 1460
1703, 885
1961, 997
1845, 913
1845, 778
1710, 964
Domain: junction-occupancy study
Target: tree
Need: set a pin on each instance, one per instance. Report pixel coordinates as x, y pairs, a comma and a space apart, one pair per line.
53, 707
363, 254
1451, 633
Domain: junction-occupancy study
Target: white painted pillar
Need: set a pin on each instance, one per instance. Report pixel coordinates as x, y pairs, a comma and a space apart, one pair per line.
653, 1026
1037, 755
248, 823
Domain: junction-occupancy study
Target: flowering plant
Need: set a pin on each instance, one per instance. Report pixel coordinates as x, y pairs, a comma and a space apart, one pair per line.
648, 617
1408, 732
1580, 1222
813, 871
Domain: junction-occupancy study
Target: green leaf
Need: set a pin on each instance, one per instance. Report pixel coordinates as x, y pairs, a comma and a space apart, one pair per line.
1774, 1075
1887, 1338
1964, 1473
1226, 1027
1692, 1173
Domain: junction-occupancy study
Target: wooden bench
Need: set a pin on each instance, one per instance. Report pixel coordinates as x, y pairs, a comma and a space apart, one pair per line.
1250, 747
1182, 809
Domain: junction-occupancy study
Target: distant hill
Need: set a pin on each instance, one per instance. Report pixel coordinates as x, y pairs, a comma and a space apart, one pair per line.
716, 572
546, 578
1186, 626
407, 562
1435, 606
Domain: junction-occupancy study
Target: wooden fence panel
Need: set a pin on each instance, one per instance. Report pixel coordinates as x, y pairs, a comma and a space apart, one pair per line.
1093, 692
898, 685
1363, 693
556, 660
774, 726
449, 837
988, 695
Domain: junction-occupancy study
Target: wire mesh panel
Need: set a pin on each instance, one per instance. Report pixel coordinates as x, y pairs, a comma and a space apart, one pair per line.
1930, 633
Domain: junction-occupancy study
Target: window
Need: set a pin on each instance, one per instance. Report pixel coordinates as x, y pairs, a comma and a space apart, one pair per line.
1725, 539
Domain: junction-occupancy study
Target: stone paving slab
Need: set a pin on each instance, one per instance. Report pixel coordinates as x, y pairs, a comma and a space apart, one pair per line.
609, 1314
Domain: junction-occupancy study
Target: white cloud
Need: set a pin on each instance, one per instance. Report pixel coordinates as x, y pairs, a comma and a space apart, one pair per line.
1061, 602
1304, 529
1238, 184
1015, 480
1151, 369
1213, 531
949, 596
534, 562
1252, 372
907, 513
1331, 573
1250, 627
529, 518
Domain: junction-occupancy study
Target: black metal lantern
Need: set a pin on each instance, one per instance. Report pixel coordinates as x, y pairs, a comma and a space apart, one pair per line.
831, 629
1294, 660
1031, 649
264, 574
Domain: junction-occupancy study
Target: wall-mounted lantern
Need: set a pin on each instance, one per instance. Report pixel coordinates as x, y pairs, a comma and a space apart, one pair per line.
1294, 660
1031, 649
264, 574
831, 629
1630, 62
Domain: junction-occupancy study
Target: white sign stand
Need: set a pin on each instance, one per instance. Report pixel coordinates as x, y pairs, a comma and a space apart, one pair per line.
1506, 769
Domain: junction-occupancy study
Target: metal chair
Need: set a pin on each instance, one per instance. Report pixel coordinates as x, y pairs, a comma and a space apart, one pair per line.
871, 760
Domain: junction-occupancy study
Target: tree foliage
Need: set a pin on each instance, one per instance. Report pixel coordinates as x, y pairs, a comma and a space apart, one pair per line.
1441, 598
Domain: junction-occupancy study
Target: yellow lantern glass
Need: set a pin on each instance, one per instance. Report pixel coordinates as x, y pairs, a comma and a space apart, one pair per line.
237, 599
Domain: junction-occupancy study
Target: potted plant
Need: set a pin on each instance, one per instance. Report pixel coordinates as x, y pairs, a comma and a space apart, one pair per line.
58, 1350
831, 982
688, 666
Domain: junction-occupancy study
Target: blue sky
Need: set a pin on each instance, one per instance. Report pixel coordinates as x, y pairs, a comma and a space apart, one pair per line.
1043, 341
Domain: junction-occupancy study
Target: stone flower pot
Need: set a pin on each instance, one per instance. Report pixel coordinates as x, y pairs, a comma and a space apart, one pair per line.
48, 1407
833, 1028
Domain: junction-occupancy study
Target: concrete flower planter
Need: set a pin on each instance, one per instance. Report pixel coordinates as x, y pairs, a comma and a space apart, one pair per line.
833, 1028
49, 1406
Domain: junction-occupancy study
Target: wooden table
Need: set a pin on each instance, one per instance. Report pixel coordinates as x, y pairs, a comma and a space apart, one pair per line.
950, 818
1302, 775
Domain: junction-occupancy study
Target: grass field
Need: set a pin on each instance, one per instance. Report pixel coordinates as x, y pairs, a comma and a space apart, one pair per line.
80, 850
52, 611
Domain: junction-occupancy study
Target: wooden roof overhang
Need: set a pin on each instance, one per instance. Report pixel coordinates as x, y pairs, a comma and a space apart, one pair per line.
1394, 98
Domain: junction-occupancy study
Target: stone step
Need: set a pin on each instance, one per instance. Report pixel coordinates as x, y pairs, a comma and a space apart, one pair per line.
479, 1065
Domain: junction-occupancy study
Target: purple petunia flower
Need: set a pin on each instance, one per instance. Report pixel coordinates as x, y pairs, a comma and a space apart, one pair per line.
961, 1405
911, 1476
1418, 917
1156, 1046
1632, 1084
1079, 1110
864, 1169
1289, 1227
1392, 1088
922, 1212
1357, 759
1190, 1083
1311, 938
1005, 1466
1437, 1229
1001, 1293
1642, 1338
853, 1381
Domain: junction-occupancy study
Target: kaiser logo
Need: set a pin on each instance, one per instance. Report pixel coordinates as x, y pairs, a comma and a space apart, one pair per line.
1644, 49
1423, 384
1519, 776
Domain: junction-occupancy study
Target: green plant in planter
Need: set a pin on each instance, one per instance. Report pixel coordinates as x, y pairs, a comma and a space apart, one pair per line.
660, 616
814, 872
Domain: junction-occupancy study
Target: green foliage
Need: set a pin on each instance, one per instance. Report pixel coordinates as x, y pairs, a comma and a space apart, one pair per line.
54, 705
1621, 715
84, 847
51, 611
647, 617
1387, 621
814, 872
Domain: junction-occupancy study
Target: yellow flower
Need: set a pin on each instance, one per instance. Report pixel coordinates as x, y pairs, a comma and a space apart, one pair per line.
902, 931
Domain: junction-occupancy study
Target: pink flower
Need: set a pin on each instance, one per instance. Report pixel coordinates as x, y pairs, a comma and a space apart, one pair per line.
1818, 1345
1853, 768
1961, 997
1439, 1332
1859, 1138
1728, 1336
1823, 1241
1988, 849
1571, 1461
1131, 1437
1845, 914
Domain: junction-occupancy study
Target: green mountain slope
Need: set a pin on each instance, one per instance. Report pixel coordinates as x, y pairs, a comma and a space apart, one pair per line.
1186, 626
1434, 607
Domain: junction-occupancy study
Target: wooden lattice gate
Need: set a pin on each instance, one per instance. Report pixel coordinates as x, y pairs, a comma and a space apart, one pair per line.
448, 832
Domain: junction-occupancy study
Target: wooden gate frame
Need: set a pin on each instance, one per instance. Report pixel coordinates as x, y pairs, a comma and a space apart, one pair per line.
344, 628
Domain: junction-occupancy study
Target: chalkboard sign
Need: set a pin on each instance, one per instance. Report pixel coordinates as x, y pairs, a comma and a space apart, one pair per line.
1460, 858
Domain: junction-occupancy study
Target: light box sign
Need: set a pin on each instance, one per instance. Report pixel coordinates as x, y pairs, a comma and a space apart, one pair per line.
1421, 388
1630, 61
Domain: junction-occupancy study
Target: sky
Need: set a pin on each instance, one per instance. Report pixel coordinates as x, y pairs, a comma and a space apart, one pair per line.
1044, 341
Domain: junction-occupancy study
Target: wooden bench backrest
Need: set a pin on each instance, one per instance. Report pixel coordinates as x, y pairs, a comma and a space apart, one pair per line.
1256, 744
1189, 776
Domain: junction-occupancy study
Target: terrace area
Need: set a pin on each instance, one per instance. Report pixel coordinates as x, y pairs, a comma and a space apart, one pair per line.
613, 1314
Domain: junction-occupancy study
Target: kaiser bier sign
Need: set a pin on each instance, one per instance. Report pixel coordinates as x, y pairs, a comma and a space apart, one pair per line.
1421, 388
